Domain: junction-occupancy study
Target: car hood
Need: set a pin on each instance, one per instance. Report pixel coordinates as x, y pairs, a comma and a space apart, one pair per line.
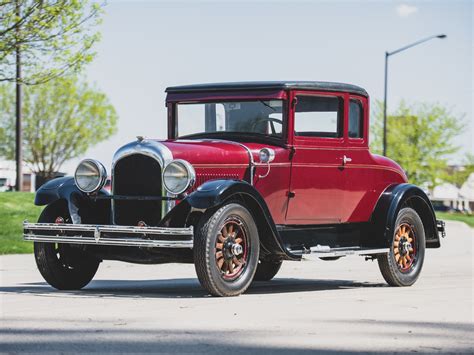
202, 153
198, 152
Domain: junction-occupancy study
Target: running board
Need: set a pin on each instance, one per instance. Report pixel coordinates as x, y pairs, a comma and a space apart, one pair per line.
324, 251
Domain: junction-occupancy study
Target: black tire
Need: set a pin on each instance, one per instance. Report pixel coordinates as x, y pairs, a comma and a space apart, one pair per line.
392, 265
266, 270
63, 266
219, 271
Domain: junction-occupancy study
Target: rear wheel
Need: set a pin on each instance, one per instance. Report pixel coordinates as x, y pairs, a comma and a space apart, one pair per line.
226, 249
403, 264
266, 270
63, 266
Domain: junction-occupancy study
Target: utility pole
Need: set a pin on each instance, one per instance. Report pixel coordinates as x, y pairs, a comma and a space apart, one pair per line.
18, 126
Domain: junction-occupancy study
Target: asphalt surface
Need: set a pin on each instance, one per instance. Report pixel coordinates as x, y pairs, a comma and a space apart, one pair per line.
339, 306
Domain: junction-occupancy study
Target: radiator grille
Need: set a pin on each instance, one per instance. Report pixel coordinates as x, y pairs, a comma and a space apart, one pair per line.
137, 175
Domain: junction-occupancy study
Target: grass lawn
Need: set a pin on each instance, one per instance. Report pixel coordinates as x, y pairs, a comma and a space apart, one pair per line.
15, 207
468, 219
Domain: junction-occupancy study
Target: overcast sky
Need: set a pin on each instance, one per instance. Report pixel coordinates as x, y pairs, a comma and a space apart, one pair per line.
149, 45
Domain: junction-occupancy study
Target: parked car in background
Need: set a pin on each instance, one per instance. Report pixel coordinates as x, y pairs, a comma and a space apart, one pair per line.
251, 175
441, 207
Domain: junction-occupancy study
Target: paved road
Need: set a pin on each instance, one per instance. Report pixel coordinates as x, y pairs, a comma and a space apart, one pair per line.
329, 306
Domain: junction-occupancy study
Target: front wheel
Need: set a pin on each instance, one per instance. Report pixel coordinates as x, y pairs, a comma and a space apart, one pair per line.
226, 250
63, 266
402, 265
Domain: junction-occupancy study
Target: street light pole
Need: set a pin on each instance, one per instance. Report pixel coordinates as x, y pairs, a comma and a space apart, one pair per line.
388, 54
385, 107
18, 126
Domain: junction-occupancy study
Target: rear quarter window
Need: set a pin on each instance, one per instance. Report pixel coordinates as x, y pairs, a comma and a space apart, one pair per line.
356, 119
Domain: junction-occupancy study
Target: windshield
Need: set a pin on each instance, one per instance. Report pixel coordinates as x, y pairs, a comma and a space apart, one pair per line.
260, 117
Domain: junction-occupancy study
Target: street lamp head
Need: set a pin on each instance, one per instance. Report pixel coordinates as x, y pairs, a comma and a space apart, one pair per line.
441, 36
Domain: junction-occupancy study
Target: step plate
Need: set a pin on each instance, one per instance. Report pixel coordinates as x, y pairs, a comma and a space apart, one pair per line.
326, 252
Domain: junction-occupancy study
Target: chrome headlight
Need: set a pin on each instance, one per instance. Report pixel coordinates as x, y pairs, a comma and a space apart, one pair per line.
178, 176
90, 175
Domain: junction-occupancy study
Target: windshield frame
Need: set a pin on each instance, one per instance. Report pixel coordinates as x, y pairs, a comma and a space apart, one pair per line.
215, 97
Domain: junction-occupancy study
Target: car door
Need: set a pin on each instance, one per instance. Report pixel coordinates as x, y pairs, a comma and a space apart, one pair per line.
316, 182
360, 192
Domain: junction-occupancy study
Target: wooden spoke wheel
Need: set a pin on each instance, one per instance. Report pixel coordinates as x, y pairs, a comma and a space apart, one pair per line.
403, 264
231, 248
404, 247
226, 250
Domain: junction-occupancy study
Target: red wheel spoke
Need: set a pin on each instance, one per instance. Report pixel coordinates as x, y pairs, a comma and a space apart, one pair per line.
220, 262
404, 249
231, 249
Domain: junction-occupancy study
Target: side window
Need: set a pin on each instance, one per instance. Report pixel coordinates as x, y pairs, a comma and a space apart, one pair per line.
356, 119
318, 116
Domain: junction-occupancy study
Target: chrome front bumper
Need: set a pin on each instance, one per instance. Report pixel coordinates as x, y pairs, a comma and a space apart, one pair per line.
151, 237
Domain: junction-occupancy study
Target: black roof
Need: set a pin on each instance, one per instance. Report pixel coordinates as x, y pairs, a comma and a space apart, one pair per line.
263, 85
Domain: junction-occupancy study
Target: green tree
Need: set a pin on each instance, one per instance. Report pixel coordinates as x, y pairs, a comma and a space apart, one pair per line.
52, 35
62, 119
421, 138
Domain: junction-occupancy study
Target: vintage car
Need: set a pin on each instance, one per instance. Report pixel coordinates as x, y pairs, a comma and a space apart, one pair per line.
252, 174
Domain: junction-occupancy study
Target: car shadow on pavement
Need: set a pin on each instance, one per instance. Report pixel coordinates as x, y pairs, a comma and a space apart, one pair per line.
105, 337
184, 287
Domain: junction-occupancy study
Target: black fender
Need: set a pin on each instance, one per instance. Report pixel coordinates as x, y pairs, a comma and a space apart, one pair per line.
394, 198
213, 194
80, 205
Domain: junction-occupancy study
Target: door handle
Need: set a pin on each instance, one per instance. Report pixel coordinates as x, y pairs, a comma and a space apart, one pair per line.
346, 160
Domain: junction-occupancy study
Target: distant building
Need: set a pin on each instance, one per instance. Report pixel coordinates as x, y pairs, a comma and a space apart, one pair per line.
467, 191
451, 197
8, 177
